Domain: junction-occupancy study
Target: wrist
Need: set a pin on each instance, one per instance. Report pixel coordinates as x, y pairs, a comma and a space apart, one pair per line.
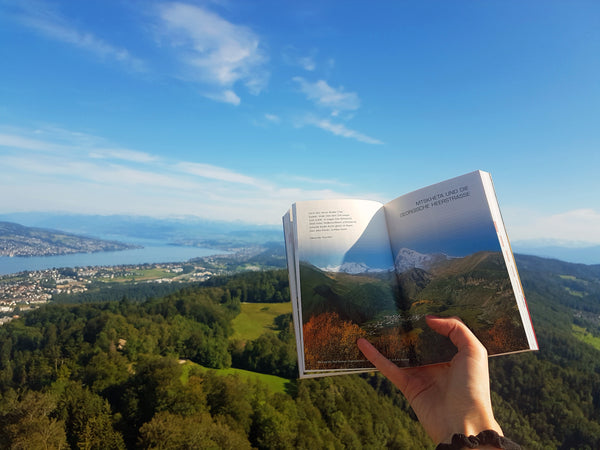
476, 426
472, 424
487, 439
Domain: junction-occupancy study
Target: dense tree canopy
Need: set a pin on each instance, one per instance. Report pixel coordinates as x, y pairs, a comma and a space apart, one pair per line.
126, 374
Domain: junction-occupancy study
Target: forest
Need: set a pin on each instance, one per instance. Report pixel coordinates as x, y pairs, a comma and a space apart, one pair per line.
155, 373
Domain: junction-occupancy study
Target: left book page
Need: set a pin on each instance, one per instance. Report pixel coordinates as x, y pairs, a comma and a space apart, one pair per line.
341, 277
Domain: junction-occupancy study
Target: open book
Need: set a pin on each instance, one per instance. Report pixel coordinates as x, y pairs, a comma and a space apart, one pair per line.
362, 268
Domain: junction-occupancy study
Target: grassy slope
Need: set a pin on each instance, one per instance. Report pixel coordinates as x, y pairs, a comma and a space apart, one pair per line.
257, 318
275, 384
254, 320
584, 335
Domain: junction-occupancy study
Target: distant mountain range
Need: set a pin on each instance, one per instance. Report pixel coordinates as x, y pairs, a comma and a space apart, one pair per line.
354, 268
19, 240
583, 255
180, 231
411, 259
405, 260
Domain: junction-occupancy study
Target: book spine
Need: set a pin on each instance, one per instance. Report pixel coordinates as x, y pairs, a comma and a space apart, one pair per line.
291, 244
509, 258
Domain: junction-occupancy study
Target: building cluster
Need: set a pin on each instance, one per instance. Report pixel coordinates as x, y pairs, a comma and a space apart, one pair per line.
34, 246
28, 290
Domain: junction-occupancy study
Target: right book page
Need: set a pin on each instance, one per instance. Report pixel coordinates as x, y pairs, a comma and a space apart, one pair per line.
452, 258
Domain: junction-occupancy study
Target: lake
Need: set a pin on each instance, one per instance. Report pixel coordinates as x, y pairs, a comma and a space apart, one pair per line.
153, 253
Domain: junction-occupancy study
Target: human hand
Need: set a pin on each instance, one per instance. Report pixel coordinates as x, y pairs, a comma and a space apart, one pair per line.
447, 398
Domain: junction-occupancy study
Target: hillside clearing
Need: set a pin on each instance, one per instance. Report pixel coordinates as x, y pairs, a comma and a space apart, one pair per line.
257, 318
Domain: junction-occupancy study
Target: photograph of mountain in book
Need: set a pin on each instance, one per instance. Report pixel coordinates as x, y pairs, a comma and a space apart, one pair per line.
389, 309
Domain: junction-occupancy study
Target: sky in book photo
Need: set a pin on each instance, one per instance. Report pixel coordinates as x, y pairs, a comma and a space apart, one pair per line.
233, 110
454, 218
458, 241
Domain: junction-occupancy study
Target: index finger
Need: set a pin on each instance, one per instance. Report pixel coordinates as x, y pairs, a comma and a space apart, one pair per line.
384, 365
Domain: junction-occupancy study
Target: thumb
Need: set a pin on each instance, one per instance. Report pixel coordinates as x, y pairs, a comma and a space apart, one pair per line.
460, 335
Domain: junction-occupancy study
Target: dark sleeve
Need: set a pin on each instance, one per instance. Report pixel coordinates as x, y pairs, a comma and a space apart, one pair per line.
487, 437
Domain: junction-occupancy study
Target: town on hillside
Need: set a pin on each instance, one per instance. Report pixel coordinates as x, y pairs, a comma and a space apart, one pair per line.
28, 290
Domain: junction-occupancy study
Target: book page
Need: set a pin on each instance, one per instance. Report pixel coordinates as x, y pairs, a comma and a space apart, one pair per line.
345, 273
450, 218
342, 235
450, 262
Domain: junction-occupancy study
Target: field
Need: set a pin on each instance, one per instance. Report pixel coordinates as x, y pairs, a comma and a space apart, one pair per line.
256, 318
585, 336
144, 275
275, 384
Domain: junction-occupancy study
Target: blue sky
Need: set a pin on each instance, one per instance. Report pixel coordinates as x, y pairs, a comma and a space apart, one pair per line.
233, 110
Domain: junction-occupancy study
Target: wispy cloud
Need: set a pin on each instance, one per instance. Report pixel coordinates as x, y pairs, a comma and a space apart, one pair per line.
273, 118
307, 63
216, 173
122, 154
569, 228
59, 141
77, 172
26, 143
335, 99
225, 96
340, 129
296, 58
216, 53
328, 182
47, 21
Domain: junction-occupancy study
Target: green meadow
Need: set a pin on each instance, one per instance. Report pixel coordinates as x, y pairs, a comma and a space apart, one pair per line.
254, 320
275, 384
584, 335
257, 318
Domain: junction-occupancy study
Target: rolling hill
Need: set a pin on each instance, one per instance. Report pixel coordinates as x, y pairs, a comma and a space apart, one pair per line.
19, 240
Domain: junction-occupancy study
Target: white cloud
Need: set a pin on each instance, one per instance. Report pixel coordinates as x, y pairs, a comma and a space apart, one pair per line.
339, 129
226, 96
294, 57
570, 228
215, 53
62, 141
272, 118
307, 63
218, 53
336, 100
40, 17
326, 96
54, 174
122, 154
309, 180
26, 143
216, 173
